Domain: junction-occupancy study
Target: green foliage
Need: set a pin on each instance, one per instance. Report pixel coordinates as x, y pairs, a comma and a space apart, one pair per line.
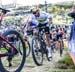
65, 47
66, 62
22, 8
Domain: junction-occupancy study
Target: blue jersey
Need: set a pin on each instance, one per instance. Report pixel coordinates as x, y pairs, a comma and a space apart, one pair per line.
72, 34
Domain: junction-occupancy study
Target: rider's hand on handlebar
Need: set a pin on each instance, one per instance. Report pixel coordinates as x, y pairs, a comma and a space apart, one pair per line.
1, 16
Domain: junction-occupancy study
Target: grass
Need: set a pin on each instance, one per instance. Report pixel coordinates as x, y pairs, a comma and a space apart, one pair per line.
66, 62
3, 50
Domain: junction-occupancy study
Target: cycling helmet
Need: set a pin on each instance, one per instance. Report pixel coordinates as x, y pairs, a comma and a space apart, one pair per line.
34, 9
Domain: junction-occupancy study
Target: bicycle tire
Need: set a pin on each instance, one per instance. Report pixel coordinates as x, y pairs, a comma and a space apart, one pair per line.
28, 49
2, 69
33, 53
61, 48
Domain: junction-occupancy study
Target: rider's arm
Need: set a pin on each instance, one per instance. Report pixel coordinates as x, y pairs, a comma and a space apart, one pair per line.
50, 19
3, 12
27, 22
1, 16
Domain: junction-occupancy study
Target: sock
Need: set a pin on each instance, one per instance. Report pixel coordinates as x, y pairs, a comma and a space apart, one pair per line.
49, 52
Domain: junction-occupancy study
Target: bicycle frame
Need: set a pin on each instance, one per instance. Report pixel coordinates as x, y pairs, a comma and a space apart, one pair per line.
3, 39
7, 54
41, 35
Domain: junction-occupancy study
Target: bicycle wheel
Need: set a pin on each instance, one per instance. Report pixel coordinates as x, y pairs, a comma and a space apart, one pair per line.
28, 49
37, 53
61, 48
12, 63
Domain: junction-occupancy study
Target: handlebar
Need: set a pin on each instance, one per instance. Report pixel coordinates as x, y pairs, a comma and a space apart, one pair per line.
4, 10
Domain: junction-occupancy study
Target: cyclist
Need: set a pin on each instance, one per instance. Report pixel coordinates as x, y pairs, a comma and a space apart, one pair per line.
59, 42
42, 19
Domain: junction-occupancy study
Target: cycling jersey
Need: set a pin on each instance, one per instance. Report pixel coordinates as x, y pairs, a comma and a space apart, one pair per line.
42, 19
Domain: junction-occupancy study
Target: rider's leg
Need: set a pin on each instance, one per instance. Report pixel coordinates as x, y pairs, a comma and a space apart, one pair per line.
61, 47
48, 45
48, 41
35, 33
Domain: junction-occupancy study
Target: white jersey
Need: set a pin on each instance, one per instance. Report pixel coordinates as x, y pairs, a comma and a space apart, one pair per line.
42, 19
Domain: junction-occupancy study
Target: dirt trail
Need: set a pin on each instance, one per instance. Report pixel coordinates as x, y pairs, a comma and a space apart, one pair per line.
30, 66
46, 67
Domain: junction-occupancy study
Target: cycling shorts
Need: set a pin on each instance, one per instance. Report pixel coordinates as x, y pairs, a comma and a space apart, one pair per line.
43, 26
59, 36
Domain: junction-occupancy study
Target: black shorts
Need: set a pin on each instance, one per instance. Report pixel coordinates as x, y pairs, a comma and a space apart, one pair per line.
46, 30
59, 36
54, 39
43, 26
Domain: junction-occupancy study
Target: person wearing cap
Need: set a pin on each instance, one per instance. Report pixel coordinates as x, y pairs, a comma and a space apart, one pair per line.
71, 42
72, 15
42, 19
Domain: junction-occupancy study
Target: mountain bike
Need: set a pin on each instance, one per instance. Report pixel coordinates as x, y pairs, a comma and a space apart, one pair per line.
60, 44
39, 46
11, 60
